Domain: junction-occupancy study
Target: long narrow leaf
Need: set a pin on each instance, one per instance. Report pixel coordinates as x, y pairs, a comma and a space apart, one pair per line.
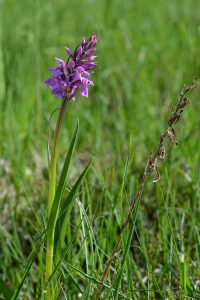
66, 208
31, 259
127, 247
5, 290
61, 186
65, 253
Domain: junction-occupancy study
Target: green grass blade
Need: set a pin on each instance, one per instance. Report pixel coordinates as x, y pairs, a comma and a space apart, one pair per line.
31, 259
65, 253
5, 290
86, 293
66, 208
183, 276
127, 247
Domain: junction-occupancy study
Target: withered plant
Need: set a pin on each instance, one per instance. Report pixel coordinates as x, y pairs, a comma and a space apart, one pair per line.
151, 168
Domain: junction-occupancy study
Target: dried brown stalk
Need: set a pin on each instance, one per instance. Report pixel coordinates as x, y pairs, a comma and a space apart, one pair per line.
151, 167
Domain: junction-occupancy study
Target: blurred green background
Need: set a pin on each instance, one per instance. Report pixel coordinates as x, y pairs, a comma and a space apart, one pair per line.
146, 51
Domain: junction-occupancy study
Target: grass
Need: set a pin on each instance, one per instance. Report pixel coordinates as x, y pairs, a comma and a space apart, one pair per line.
146, 52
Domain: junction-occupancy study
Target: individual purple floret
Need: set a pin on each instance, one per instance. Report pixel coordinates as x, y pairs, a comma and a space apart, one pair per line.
74, 75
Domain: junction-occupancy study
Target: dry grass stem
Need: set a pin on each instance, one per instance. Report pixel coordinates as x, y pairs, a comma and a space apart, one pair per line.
151, 167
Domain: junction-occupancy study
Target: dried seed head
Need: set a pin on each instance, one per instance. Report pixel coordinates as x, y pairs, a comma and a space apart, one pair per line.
161, 152
185, 101
171, 135
152, 164
174, 118
157, 175
152, 167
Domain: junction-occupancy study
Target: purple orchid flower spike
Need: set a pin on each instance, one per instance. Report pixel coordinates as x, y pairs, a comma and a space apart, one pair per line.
74, 75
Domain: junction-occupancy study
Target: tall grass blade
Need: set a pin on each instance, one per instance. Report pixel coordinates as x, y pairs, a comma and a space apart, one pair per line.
66, 208
5, 290
127, 247
31, 259
183, 276
86, 292
65, 253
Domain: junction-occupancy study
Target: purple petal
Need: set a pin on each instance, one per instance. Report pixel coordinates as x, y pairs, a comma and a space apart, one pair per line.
69, 52
89, 65
88, 74
79, 52
92, 41
83, 82
55, 70
79, 69
60, 62
90, 51
84, 91
64, 84
76, 77
87, 60
71, 64
51, 82
67, 80
87, 82
92, 57
58, 92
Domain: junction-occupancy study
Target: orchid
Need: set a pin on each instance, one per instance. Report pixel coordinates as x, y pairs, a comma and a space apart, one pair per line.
73, 75
68, 78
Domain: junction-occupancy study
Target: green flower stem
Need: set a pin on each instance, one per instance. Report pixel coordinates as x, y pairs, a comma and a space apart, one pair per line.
183, 276
52, 171
52, 188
